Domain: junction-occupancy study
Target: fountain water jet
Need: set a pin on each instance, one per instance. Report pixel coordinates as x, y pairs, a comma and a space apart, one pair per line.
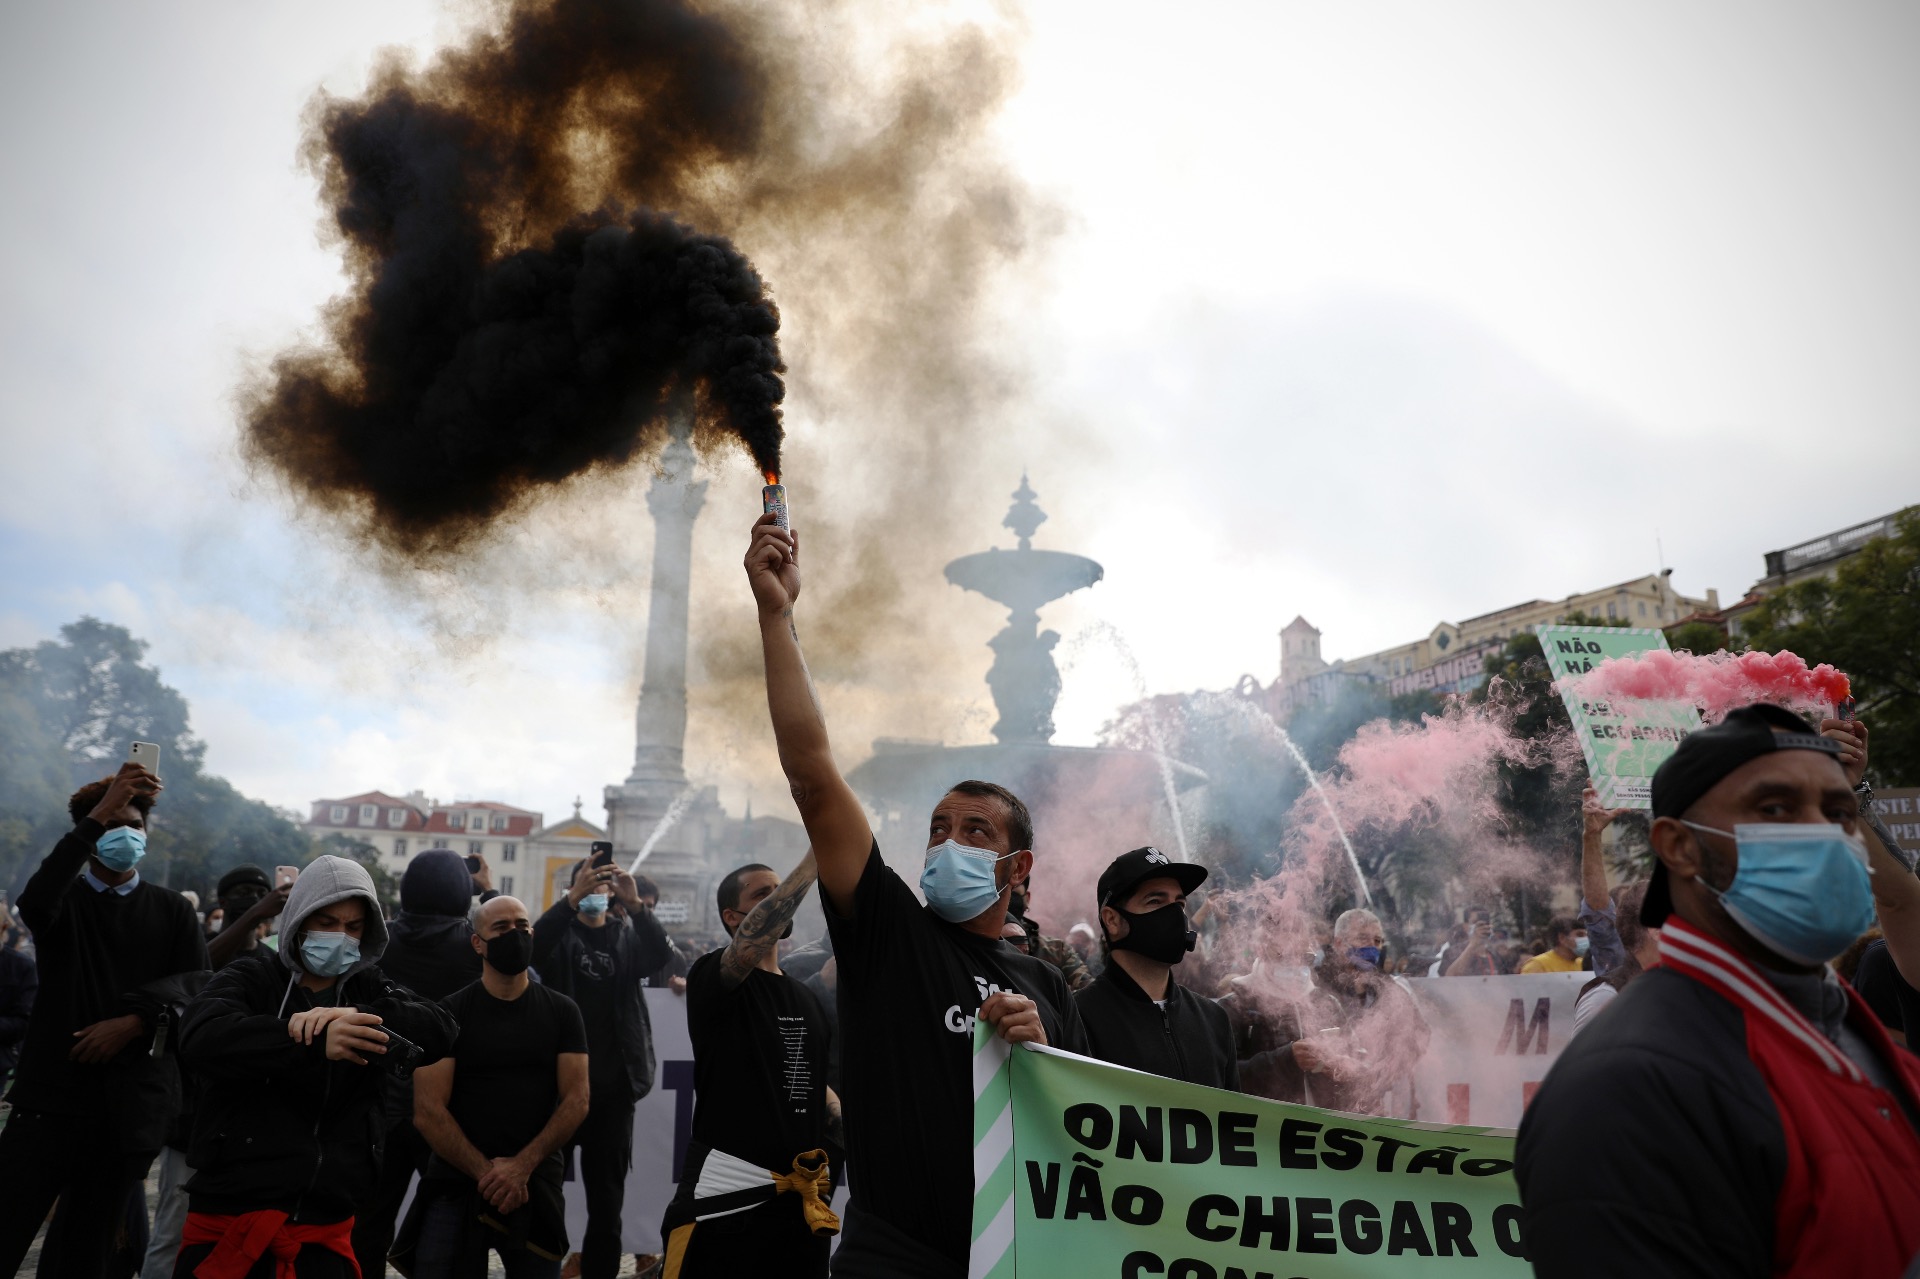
1241, 706
1109, 632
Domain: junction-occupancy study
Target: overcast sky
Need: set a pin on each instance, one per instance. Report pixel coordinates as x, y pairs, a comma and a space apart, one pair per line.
1381, 314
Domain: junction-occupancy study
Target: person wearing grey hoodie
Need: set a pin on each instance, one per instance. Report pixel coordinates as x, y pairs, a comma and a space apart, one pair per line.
293, 1048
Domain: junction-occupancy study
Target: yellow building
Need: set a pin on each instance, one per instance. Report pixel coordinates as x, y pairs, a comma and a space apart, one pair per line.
554, 850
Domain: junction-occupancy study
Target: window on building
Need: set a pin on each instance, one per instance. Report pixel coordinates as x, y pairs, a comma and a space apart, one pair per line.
474, 846
337, 814
1612, 614
1643, 608
499, 821
509, 852
399, 848
396, 817
369, 814
506, 885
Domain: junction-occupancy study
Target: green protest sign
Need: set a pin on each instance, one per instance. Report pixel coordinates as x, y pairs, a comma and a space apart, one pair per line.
1623, 745
1087, 1169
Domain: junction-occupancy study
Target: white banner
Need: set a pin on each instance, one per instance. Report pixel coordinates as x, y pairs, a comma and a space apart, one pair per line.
1493, 1039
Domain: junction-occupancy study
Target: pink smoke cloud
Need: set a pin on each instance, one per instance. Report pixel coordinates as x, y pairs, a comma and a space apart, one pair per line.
1715, 682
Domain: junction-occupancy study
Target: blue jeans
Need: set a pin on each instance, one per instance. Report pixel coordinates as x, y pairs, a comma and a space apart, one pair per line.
452, 1246
169, 1215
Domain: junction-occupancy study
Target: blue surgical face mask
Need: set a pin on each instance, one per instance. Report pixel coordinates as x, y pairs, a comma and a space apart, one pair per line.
329, 954
594, 904
958, 881
1802, 890
1580, 946
120, 848
1364, 956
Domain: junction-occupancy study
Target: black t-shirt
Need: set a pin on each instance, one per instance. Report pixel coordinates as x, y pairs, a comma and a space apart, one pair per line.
595, 989
909, 986
505, 1082
1895, 1003
759, 1065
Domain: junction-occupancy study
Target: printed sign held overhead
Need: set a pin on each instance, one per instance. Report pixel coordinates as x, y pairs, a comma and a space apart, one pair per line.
1623, 743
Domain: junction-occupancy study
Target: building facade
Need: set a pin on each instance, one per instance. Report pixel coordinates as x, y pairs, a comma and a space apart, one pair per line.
1817, 557
1451, 657
401, 828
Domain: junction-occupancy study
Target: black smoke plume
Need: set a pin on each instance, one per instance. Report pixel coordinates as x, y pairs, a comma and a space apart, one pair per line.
523, 307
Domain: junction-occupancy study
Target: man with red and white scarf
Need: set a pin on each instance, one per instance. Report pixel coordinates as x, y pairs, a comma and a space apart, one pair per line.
1739, 1111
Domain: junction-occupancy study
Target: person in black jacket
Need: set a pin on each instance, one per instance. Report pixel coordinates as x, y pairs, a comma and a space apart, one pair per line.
1135, 1013
292, 1049
430, 952
596, 956
19, 979
91, 1102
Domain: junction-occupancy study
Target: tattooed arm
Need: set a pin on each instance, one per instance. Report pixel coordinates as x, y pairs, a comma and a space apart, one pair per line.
761, 930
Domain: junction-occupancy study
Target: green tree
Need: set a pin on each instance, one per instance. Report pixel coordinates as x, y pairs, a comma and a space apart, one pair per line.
1865, 619
68, 708
1699, 638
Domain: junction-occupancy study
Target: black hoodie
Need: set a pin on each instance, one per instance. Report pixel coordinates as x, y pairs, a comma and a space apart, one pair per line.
430, 954
1189, 1039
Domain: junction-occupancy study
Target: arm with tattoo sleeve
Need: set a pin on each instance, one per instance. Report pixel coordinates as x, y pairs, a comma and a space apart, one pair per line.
760, 931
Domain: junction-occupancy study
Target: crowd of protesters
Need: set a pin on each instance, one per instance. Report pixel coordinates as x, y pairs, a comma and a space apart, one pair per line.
317, 1090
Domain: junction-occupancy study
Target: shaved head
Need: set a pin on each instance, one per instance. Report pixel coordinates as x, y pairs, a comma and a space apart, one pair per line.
500, 915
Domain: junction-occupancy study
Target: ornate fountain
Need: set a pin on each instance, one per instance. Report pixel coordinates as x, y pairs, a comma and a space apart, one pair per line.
1024, 679
1091, 800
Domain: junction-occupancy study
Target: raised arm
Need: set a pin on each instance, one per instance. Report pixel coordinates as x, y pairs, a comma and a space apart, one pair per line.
760, 931
1595, 817
835, 822
232, 939
1896, 891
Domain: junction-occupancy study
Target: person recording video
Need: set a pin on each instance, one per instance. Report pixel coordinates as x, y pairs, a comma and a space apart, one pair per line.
292, 1048
596, 956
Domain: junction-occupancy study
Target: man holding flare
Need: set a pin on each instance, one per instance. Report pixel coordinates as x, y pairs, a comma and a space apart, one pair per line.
912, 979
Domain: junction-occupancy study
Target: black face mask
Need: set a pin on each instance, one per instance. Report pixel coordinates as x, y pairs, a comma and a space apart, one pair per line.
1161, 935
510, 953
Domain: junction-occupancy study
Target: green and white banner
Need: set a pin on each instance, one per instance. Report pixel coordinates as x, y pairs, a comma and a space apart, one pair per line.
1623, 745
1086, 1169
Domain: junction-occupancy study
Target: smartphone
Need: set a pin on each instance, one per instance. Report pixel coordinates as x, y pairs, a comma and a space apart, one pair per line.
145, 754
283, 876
602, 853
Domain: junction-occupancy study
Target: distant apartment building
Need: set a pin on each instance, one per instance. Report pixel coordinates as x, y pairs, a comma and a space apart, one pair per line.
1817, 557
399, 829
1451, 657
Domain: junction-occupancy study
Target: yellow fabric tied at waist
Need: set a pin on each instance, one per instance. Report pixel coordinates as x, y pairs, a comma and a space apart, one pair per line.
814, 1186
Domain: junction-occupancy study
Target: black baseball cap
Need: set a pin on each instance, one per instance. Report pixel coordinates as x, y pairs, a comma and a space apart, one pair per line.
1704, 758
1129, 869
246, 873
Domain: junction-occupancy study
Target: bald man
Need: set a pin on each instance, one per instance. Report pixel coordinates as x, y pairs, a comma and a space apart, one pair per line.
496, 1111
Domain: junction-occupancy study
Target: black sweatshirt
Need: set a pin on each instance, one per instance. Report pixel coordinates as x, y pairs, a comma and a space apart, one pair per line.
96, 950
1189, 1039
279, 1125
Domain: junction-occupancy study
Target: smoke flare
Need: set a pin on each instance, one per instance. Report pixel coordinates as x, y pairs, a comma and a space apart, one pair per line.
1714, 682
521, 310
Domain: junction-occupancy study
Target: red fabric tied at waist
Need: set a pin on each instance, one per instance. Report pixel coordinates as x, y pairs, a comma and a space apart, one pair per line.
242, 1239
